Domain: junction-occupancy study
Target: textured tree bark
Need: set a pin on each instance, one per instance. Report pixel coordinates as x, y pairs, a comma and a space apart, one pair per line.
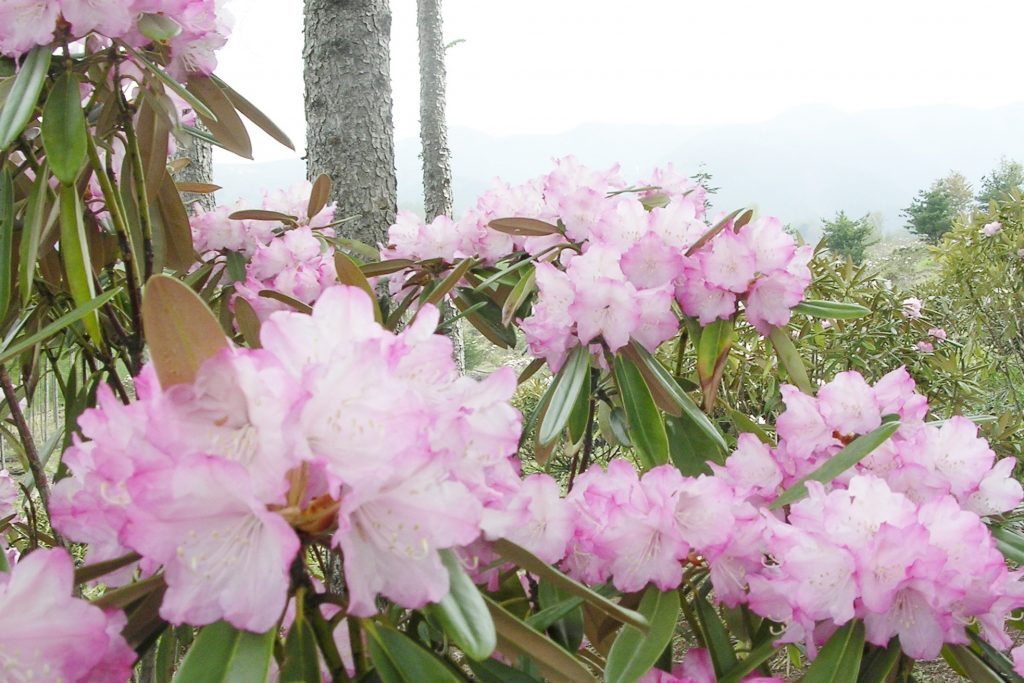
199, 170
349, 129
437, 167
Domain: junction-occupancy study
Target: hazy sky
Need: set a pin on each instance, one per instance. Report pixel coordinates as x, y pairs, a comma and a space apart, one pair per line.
536, 66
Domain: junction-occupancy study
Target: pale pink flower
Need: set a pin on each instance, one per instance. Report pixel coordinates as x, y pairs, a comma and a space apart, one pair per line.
848, 404
25, 24
925, 347
938, 333
912, 307
997, 492
802, 426
536, 517
992, 229
657, 321
112, 18
46, 634
651, 263
730, 263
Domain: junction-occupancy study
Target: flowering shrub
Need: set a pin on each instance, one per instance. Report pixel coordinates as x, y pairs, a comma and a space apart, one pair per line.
298, 477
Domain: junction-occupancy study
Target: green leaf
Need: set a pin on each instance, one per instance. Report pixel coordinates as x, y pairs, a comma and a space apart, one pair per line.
74, 250
301, 661
463, 613
63, 128
163, 77
712, 352
690, 448
723, 657
855, 451
448, 283
580, 416
879, 663
400, 660
548, 615
565, 390
166, 656
790, 358
24, 343
6, 240
567, 628
493, 671
516, 639
158, 27
24, 94
633, 653
839, 659
533, 564
223, 654
350, 274
519, 294
181, 331
758, 655
657, 375
487, 319
236, 266
974, 667
835, 310
746, 424
35, 223
646, 427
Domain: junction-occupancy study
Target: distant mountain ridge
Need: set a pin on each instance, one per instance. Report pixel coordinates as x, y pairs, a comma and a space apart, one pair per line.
802, 165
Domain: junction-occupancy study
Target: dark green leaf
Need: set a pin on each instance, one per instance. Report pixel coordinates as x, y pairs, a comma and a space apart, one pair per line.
236, 266
839, 659
223, 654
790, 359
723, 657
634, 653
519, 294
879, 663
301, 661
493, 671
35, 223
690, 448
400, 660
516, 639
63, 128
74, 250
566, 388
567, 628
646, 427
463, 613
760, 654
533, 564
21, 100
487, 320
580, 416
1010, 543
6, 240
448, 283
971, 663
835, 310
855, 451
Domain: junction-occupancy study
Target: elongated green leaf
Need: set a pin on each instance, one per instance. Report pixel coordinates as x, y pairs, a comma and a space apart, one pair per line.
548, 615
790, 358
487, 319
835, 310
1010, 544
400, 660
20, 345
382, 268
566, 389
21, 100
262, 215
758, 655
656, 374
646, 426
580, 416
166, 656
36, 219
6, 240
493, 671
74, 249
248, 322
91, 572
181, 331
855, 451
712, 353
285, 299
301, 661
350, 274
879, 663
746, 424
533, 564
63, 128
567, 629
839, 659
448, 283
223, 654
163, 77
463, 613
723, 657
634, 653
515, 639
519, 294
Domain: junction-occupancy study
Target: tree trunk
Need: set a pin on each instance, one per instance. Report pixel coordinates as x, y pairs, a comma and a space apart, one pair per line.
199, 170
437, 169
349, 130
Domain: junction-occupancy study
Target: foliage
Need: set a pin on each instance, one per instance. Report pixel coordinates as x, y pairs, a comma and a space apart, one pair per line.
931, 213
848, 237
1002, 181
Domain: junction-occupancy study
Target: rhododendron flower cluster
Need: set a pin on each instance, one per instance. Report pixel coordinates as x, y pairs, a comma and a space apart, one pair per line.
621, 257
292, 259
697, 668
193, 29
48, 635
335, 424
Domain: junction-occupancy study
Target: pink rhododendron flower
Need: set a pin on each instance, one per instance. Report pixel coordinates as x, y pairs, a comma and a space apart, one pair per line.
938, 333
992, 229
912, 307
925, 347
25, 24
46, 634
849, 405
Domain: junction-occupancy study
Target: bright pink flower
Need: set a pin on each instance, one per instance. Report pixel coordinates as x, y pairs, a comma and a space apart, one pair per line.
802, 426
848, 404
47, 635
225, 555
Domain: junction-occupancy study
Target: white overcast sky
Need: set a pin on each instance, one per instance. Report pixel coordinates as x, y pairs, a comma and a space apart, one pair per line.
543, 66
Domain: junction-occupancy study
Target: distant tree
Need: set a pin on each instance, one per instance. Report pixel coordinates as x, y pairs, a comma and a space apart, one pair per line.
931, 213
997, 185
849, 237
959, 191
